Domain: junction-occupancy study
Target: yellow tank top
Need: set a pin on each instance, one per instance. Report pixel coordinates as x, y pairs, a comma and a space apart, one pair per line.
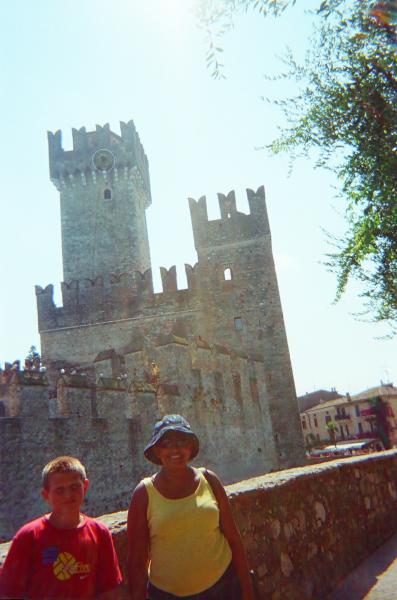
188, 551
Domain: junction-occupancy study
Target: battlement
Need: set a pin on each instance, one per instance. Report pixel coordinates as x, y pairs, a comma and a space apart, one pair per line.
99, 156
121, 295
233, 226
152, 367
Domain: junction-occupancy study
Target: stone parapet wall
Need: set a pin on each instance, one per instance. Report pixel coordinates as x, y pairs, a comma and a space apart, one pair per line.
305, 529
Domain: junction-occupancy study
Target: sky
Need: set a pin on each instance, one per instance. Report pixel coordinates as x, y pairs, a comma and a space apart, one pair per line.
80, 63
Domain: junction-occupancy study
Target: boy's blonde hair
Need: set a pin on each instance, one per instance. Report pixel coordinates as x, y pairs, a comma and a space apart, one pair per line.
62, 464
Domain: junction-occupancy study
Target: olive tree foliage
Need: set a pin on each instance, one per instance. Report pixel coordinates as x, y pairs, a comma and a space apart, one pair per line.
216, 18
346, 112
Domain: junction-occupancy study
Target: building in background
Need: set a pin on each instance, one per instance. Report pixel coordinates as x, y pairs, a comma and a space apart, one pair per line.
369, 414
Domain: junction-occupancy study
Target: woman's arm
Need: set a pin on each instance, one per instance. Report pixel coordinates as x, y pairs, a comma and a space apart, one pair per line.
138, 543
232, 534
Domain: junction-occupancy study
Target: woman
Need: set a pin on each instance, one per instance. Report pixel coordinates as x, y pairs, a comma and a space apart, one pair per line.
180, 526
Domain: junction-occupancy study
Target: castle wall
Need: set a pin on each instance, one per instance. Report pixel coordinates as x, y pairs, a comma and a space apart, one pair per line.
106, 421
102, 233
103, 443
108, 312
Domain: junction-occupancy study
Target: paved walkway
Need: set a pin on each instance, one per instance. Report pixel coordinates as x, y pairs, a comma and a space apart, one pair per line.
374, 579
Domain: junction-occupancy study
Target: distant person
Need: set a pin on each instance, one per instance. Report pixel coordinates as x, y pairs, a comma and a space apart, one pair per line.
64, 554
182, 539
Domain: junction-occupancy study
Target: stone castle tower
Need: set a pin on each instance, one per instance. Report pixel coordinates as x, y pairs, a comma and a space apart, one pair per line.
216, 352
104, 191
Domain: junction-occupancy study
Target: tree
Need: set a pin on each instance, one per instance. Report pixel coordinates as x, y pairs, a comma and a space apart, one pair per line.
216, 17
33, 359
346, 112
382, 425
332, 429
311, 441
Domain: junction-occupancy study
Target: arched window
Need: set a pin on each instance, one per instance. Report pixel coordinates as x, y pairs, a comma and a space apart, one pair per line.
107, 194
227, 274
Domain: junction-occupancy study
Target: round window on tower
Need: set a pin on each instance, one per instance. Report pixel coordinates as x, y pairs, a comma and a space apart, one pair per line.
103, 160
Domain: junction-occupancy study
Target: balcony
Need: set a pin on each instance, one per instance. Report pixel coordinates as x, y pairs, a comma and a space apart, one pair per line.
368, 412
342, 417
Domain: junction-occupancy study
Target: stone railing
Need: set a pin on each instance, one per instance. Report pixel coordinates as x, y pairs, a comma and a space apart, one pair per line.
305, 529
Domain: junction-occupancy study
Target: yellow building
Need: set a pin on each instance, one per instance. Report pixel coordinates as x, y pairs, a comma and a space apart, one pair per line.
369, 414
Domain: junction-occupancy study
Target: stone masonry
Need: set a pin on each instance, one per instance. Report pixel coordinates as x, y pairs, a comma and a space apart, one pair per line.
305, 529
218, 349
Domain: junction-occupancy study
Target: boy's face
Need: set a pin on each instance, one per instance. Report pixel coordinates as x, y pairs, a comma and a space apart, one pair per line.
66, 491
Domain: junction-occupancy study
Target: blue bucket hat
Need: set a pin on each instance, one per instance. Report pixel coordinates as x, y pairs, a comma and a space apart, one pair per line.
169, 423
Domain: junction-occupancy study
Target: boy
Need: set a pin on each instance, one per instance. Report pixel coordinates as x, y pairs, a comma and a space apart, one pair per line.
64, 554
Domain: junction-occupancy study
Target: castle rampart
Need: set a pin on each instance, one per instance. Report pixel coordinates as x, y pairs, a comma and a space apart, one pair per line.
105, 417
233, 227
112, 297
68, 167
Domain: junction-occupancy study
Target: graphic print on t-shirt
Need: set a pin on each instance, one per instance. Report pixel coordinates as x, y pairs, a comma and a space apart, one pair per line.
64, 564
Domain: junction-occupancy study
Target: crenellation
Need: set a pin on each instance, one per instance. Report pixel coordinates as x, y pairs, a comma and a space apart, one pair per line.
257, 206
168, 279
46, 294
233, 227
118, 295
130, 137
144, 282
191, 276
102, 136
70, 293
198, 215
79, 137
227, 205
45, 307
54, 144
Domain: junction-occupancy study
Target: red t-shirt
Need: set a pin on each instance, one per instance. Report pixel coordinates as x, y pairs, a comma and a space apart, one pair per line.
46, 563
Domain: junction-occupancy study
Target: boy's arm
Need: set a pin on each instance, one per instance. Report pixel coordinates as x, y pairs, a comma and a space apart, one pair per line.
109, 575
138, 543
15, 574
110, 595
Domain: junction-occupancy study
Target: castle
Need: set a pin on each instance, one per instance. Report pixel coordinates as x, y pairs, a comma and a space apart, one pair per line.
119, 355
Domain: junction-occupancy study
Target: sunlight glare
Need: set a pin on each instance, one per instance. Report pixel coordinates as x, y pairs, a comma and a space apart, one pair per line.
172, 14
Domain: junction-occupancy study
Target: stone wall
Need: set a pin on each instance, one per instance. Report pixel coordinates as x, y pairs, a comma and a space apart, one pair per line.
106, 422
305, 529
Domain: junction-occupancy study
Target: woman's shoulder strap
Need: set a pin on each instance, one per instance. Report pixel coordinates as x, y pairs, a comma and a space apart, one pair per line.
147, 482
207, 476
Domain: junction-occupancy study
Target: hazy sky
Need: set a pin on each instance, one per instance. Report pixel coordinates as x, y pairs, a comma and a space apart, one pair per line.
69, 63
